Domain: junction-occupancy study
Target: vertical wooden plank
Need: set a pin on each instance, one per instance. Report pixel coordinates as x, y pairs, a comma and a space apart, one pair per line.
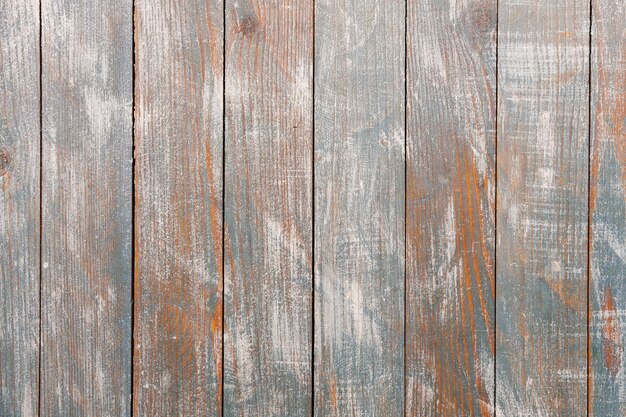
19, 207
178, 208
608, 210
359, 207
451, 77
268, 213
542, 208
86, 207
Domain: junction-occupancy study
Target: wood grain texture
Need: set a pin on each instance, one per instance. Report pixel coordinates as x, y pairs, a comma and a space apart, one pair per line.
608, 210
542, 165
86, 207
178, 208
359, 208
19, 207
451, 77
268, 214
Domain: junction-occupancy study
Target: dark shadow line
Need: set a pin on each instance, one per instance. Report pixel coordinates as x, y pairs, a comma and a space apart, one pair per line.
39, 359
495, 223
404, 379
133, 228
589, 214
312, 411
223, 277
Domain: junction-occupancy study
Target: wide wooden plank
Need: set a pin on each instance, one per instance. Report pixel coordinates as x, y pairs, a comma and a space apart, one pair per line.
608, 210
19, 207
268, 208
86, 207
451, 77
542, 168
359, 207
178, 208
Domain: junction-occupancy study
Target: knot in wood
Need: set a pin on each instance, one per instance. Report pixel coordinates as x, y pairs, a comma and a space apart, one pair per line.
4, 162
249, 25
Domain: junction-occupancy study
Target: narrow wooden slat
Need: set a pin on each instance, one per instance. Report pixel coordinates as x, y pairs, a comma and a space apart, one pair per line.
268, 215
608, 210
178, 208
86, 207
359, 207
542, 212
451, 77
19, 207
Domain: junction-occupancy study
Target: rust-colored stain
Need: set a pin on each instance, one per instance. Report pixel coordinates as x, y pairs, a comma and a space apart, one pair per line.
612, 336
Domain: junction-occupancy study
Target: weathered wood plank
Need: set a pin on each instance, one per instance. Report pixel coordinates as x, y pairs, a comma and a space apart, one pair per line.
542, 212
19, 207
86, 207
178, 208
268, 213
359, 207
451, 77
608, 210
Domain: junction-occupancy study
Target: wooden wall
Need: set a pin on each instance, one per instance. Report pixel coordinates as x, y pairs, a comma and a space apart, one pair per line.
312, 208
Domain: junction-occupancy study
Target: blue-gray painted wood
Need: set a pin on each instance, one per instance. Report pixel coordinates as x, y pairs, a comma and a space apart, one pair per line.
359, 208
541, 242
451, 123
86, 207
357, 289
178, 208
268, 208
19, 207
608, 210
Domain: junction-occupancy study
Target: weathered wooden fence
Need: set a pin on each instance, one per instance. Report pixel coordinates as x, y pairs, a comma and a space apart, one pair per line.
312, 208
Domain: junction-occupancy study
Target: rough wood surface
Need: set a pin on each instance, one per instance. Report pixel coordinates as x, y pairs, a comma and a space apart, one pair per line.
608, 210
542, 212
359, 208
279, 226
86, 207
451, 77
178, 208
268, 214
19, 207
